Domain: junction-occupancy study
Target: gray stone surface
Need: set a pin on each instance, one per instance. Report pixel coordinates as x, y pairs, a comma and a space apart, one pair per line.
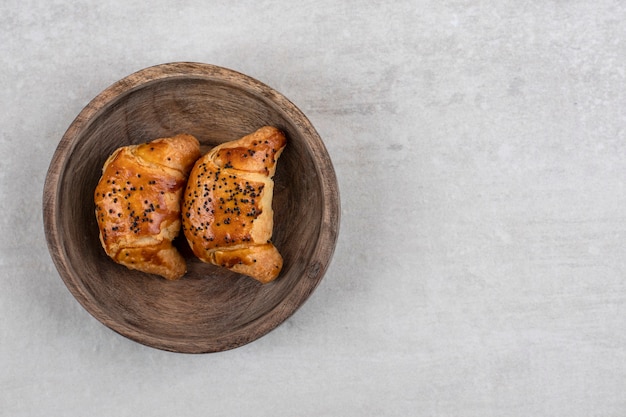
479, 147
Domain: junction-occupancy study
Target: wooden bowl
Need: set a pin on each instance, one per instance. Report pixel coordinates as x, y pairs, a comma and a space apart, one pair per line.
210, 309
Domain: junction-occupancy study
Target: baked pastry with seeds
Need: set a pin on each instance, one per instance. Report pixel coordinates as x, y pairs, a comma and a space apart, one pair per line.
138, 200
227, 205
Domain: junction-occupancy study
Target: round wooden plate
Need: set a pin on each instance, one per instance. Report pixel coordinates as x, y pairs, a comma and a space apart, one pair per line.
210, 309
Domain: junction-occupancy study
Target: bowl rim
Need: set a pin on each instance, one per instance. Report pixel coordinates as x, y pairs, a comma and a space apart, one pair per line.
314, 270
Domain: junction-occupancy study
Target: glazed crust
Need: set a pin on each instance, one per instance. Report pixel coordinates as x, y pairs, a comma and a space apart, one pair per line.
138, 202
227, 205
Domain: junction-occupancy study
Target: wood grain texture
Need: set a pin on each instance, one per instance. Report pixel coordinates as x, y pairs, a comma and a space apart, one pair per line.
210, 309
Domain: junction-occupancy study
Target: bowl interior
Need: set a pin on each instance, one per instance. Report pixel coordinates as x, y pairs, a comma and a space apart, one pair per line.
209, 309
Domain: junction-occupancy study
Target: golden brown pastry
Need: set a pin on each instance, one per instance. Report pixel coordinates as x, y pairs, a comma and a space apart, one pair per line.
138, 202
227, 205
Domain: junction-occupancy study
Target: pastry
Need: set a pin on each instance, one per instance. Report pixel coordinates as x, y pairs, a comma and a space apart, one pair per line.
138, 201
227, 206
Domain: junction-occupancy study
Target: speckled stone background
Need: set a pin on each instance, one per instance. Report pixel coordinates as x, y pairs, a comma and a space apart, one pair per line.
480, 148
